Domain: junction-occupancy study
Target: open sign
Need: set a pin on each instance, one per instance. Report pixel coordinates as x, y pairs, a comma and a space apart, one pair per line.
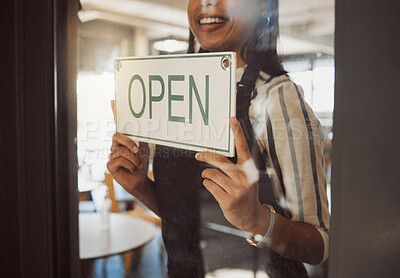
182, 101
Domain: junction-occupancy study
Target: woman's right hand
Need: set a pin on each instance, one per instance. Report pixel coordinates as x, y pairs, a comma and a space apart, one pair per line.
128, 162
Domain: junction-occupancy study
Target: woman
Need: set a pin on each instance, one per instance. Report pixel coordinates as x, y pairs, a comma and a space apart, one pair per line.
283, 140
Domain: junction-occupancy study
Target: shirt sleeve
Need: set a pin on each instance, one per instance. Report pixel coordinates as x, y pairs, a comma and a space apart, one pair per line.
293, 140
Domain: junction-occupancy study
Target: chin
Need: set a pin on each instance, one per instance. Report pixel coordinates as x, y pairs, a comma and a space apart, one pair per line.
217, 46
210, 44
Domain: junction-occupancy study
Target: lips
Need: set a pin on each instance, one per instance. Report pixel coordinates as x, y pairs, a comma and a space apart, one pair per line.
212, 23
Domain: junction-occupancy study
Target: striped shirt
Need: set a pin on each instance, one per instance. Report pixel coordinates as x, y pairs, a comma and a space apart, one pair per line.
290, 136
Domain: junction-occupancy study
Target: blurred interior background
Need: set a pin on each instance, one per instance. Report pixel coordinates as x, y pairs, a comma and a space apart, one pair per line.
110, 29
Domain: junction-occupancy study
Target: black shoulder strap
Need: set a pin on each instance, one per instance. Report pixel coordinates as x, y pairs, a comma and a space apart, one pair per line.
245, 88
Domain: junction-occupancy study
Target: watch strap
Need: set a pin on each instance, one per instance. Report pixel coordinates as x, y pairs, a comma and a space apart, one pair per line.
259, 240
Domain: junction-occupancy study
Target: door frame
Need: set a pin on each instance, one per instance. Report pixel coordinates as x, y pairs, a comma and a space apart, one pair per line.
39, 196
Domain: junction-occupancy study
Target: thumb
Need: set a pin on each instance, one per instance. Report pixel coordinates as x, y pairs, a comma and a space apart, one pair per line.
242, 149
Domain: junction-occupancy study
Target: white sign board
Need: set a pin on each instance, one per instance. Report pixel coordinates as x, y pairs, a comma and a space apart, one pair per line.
182, 101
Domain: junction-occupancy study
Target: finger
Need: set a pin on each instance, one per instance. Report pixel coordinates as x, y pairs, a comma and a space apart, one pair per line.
218, 178
116, 164
219, 194
219, 161
121, 151
242, 149
120, 139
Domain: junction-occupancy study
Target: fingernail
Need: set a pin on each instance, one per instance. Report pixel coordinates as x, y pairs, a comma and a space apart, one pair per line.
135, 149
197, 156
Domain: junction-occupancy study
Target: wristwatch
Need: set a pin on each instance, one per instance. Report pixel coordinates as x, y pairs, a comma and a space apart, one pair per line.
260, 240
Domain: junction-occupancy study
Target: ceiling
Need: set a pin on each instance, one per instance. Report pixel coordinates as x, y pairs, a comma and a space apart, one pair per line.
305, 25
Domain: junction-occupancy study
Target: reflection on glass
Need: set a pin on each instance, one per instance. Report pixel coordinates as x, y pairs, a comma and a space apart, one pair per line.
138, 28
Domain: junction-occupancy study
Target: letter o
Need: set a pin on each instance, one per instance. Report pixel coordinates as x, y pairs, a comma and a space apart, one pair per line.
137, 77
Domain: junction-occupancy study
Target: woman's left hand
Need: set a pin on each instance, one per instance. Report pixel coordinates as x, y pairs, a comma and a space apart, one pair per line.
235, 186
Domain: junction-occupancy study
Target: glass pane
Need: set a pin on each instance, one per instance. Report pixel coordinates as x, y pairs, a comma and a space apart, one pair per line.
288, 120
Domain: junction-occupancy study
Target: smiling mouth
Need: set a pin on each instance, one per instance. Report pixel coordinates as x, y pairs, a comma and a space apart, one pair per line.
211, 24
212, 20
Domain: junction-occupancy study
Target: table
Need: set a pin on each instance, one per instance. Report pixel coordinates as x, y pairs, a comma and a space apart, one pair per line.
125, 233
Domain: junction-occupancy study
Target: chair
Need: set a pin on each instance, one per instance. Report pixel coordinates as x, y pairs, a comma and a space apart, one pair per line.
139, 211
108, 180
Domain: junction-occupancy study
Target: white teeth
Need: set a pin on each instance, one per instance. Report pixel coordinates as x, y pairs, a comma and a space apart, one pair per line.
211, 20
